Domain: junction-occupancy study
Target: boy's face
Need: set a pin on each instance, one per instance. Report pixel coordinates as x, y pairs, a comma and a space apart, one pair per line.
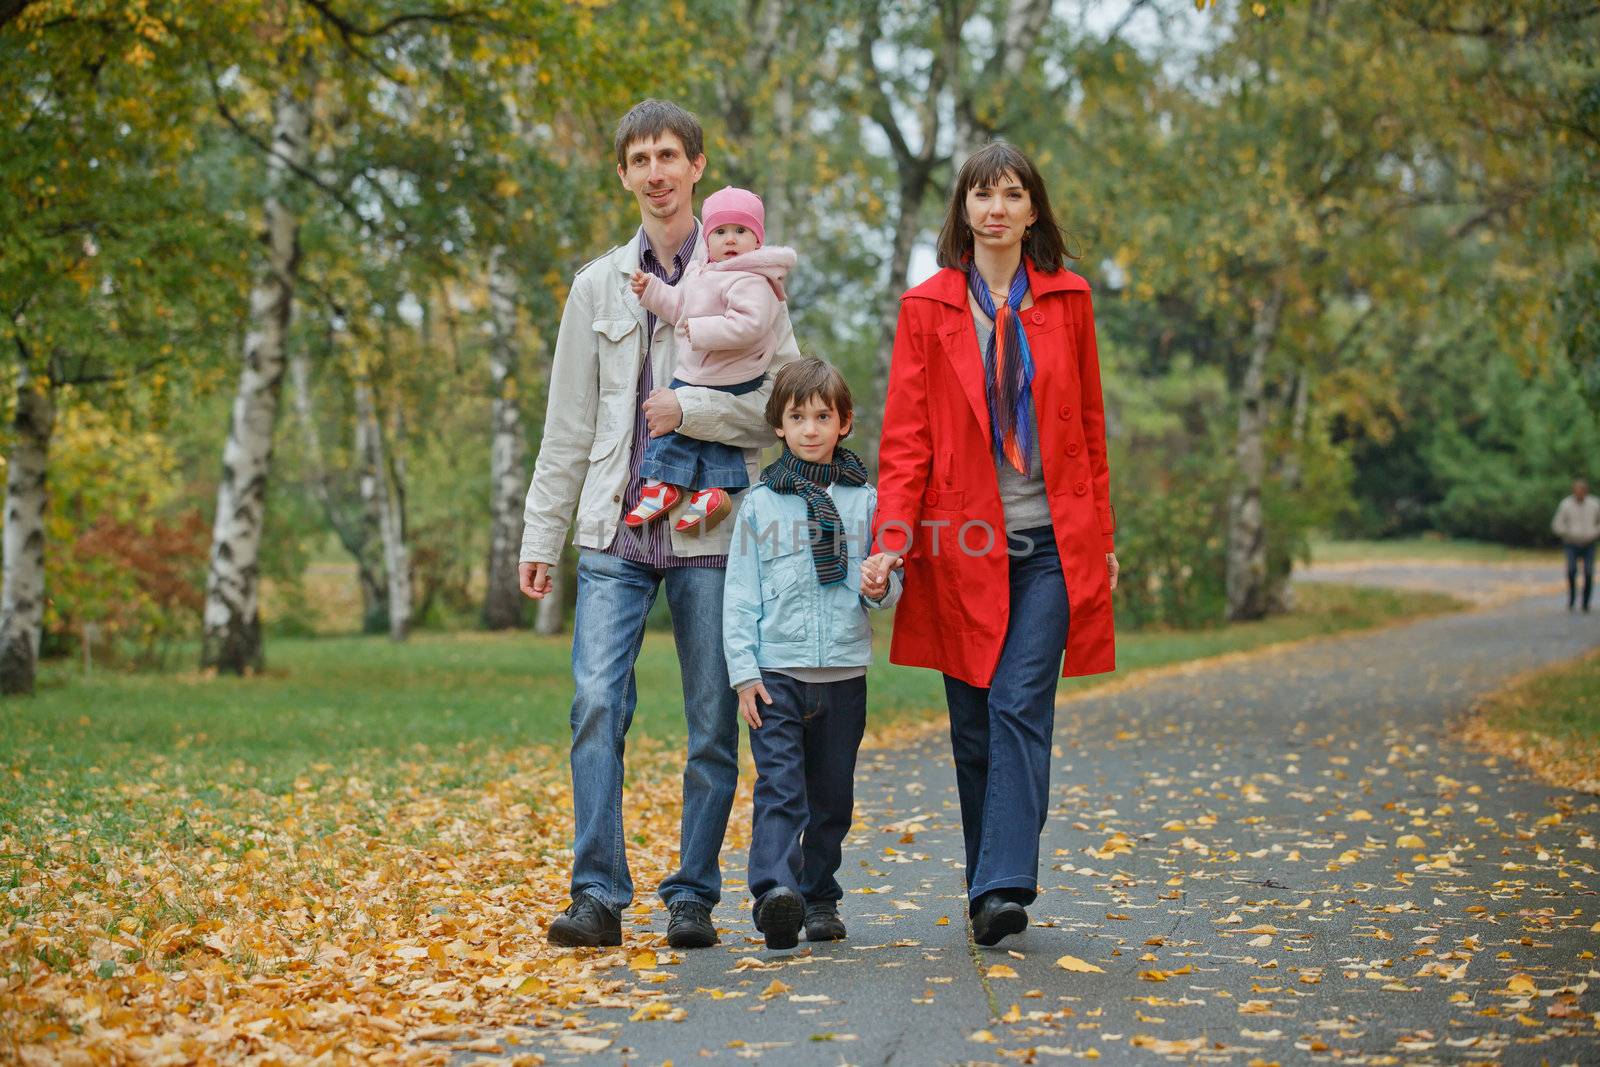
812, 428
729, 240
660, 176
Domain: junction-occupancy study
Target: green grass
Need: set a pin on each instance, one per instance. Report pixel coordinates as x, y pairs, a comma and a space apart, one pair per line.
1562, 703
364, 702
1425, 547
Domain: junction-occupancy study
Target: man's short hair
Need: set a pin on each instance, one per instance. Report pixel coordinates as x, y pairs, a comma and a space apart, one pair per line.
804, 379
649, 119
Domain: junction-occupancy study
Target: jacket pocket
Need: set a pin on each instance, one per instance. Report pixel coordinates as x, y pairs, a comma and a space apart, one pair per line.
783, 615
618, 351
614, 417
944, 499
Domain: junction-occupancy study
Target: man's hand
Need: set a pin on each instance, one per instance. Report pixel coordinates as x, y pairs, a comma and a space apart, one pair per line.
534, 578
662, 412
1112, 568
748, 706
875, 574
639, 282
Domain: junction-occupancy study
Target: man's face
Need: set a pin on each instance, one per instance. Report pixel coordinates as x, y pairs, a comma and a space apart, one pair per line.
660, 176
1580, 489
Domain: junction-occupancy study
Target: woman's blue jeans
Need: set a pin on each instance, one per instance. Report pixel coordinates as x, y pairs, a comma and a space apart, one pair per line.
1001, 735
614, 596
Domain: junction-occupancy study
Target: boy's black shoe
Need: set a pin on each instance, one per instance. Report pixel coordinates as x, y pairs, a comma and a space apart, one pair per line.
690, 925
586, 923
997, 917
778, 916
823, 922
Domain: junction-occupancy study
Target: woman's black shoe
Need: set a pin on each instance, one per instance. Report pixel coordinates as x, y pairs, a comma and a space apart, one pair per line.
823, 922
586, 923
778, 916
997, 917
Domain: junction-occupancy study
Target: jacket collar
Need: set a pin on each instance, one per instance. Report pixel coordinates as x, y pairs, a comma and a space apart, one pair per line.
949, 286
633, 256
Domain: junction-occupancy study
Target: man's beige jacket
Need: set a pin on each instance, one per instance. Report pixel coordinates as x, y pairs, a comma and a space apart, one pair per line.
588, 427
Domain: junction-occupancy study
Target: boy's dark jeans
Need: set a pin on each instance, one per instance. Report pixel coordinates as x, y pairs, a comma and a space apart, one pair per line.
1575, 555
805, 754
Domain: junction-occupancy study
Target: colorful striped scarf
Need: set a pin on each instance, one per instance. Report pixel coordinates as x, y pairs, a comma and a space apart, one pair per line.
1007, 370
791, 474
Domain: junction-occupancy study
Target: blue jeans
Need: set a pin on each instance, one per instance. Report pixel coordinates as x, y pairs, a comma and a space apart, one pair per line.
690, 463
1574, 554
805, 754
614, 596
1001, 735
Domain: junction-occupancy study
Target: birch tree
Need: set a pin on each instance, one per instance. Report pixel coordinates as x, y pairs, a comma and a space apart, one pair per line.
231, 634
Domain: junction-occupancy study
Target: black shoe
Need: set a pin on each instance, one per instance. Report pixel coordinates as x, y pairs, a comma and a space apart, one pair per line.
997, 917
690, 925
586, 923
778, 916
823, 922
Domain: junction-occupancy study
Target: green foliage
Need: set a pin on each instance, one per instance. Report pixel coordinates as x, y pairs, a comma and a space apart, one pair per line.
1506, 465
131, 552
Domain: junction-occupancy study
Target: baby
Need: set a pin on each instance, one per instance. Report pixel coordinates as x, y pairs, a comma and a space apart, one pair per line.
726, 311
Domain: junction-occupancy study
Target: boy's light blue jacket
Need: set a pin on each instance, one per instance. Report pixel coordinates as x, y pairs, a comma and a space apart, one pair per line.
774, 611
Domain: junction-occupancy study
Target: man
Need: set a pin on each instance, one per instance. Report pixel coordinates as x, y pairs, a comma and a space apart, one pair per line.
605, 401
1577, 523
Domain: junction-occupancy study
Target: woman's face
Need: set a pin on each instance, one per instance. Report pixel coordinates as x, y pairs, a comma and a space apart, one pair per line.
999, 214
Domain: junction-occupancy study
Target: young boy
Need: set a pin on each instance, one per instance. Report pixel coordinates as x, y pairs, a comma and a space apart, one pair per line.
798, 643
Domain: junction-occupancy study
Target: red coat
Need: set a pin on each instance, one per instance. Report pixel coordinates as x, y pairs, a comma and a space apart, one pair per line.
936, 465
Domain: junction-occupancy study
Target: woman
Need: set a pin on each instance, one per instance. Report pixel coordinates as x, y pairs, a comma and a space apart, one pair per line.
994, 496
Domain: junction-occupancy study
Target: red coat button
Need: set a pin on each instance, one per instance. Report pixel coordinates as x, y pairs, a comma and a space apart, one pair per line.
1072, 448
1081, 488
1066, 411
1038, 317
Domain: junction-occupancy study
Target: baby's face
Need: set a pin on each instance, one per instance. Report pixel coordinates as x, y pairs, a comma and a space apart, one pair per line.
728, 241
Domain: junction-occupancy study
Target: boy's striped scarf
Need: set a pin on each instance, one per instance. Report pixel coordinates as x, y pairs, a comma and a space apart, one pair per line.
791, 474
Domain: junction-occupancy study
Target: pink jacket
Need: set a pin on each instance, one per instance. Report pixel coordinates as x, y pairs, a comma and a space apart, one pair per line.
728, 311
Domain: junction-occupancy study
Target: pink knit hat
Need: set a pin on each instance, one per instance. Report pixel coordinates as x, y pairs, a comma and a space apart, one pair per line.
737, 207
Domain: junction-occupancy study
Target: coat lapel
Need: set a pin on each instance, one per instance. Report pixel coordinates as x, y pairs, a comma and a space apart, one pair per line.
960, 344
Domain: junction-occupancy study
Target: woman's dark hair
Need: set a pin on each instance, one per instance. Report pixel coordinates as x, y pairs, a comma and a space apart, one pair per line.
1044, 244
805, 378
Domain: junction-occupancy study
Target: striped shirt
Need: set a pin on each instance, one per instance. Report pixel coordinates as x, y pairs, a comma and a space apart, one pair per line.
651, 544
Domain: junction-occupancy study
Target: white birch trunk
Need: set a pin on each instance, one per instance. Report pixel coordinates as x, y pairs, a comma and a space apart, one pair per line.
508, 479
22, 598
380, 482
1248, 586
231, 638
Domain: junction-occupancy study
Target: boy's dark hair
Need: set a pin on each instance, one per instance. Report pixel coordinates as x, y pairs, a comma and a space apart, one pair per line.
803, 379
1044, 245
651, 118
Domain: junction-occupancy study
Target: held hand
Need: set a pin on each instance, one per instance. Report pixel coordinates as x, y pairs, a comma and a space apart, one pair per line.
875, 574
748, 708
534, 579
662, 412
639, 282
1112, 568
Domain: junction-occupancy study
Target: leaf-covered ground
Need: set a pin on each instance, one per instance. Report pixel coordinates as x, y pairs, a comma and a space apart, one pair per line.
361, 885
1279, 859
1549, 721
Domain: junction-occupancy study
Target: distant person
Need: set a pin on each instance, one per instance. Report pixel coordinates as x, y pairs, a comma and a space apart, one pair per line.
798, 642
993, 464
1577, 523
605, 402
726, 311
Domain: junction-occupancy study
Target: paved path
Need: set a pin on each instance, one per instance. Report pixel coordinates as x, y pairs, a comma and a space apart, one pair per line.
1275, 859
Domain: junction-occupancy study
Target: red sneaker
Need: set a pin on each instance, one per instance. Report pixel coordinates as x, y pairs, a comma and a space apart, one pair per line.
706, 508
655, 500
